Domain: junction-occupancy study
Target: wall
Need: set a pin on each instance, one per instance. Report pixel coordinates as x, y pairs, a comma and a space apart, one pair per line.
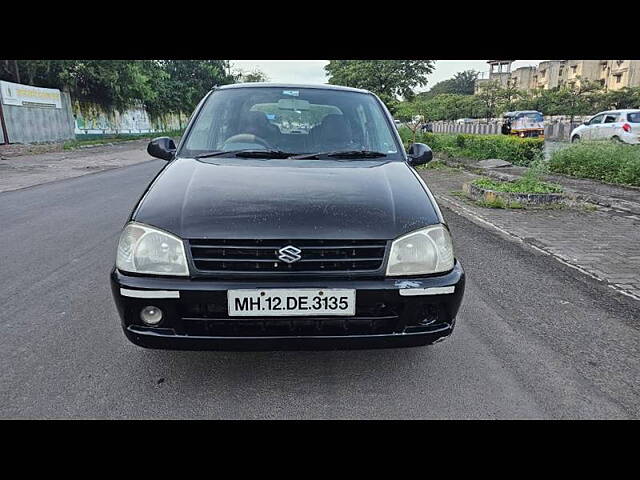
92, 119
554, 130
33, 124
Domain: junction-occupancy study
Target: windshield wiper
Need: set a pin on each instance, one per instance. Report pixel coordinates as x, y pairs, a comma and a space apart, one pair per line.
341, 154
248, 153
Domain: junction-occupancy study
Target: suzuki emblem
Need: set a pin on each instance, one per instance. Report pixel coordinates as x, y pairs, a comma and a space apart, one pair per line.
289, 254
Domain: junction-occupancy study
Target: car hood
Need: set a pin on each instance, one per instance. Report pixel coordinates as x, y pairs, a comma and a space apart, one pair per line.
292, 199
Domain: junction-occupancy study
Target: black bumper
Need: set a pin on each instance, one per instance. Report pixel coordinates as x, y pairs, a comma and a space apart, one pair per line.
197, 320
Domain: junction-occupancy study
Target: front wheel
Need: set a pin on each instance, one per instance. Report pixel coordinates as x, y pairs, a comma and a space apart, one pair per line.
575, 139
616, 139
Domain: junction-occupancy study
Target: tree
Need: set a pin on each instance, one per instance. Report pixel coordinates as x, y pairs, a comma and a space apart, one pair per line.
490, 96
389, 79
465, 82
414, 114
446, 106
628, 97
462, 83
254, 75
161, 86
509, 94
575, 98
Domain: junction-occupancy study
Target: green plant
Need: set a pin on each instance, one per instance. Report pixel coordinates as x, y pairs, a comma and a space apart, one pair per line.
435, 165
522, 185
520, 151
605, 161
389, 79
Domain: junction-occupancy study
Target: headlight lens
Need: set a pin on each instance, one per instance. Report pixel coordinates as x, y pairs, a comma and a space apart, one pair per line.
428, 250
144, 249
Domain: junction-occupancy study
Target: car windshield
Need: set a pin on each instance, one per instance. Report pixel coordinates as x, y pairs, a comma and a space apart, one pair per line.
634, 117
532, 116
290, 120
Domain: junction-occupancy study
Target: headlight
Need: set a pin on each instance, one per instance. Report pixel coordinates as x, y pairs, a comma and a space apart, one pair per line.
144, 249
428, 250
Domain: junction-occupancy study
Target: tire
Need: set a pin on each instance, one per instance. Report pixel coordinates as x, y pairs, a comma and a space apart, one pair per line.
575, 139
616, 139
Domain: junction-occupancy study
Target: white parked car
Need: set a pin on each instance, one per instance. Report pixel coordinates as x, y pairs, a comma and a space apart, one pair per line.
621, 125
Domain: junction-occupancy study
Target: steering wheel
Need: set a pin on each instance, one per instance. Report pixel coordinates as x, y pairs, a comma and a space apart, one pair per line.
247, 138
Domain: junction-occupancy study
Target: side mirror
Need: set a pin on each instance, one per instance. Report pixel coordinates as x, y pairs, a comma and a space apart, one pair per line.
163, 148
419, 154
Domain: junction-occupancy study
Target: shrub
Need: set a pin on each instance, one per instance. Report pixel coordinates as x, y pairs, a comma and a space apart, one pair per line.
519, 151
522, 185
606, 161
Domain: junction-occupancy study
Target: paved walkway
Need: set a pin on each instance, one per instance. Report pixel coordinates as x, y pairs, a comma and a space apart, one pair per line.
625, 199
29, 170
605, 243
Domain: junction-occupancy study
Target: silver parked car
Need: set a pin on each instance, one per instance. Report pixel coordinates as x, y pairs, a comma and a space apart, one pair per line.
620, 125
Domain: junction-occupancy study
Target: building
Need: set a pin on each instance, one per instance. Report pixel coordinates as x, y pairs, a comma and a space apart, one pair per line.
499, 71
621, 73
522, 78
581, 70
610, 74
548, 74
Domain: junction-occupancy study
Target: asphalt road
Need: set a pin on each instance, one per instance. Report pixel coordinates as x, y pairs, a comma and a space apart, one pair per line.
533, 339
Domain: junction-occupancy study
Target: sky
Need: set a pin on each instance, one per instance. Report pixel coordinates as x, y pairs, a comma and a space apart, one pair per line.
312, 71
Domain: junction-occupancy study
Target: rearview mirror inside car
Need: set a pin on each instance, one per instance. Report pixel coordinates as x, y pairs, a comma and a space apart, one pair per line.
293, 104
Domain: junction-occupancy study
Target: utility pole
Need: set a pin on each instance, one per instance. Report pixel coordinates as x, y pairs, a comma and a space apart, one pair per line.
2, 124
16, 71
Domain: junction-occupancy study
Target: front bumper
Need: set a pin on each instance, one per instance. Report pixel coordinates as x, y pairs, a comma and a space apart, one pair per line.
198, 320
534, 133
630, 138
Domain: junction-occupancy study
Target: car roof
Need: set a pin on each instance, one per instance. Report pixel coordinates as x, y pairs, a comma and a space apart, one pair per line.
624, 110
516, 112
323, 86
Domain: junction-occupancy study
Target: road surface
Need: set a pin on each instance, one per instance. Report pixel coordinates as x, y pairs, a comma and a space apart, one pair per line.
533, 339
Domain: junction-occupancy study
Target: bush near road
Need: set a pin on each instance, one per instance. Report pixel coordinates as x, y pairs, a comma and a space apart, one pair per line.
519, 151
522, 185
605, 161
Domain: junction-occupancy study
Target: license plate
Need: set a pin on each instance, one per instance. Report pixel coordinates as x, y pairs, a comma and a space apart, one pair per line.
291, 303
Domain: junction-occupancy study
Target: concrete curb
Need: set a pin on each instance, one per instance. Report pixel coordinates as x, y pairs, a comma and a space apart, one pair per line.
529, 199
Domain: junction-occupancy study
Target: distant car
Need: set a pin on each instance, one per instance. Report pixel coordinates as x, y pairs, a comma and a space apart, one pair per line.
620, 125
465, 120
397, 123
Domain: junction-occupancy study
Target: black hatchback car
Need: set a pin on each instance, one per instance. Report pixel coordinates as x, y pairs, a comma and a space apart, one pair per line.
288, 217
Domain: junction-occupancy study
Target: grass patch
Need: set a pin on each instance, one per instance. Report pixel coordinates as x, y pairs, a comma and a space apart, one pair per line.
522, 185
519, 151
73, 144
605, 161
435, 165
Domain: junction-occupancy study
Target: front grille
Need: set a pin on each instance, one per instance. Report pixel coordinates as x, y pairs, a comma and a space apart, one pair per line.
316, 256
329, 326
375, 314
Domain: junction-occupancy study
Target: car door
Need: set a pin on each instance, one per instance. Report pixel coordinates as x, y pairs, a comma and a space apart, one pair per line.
609, 125
591, 132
